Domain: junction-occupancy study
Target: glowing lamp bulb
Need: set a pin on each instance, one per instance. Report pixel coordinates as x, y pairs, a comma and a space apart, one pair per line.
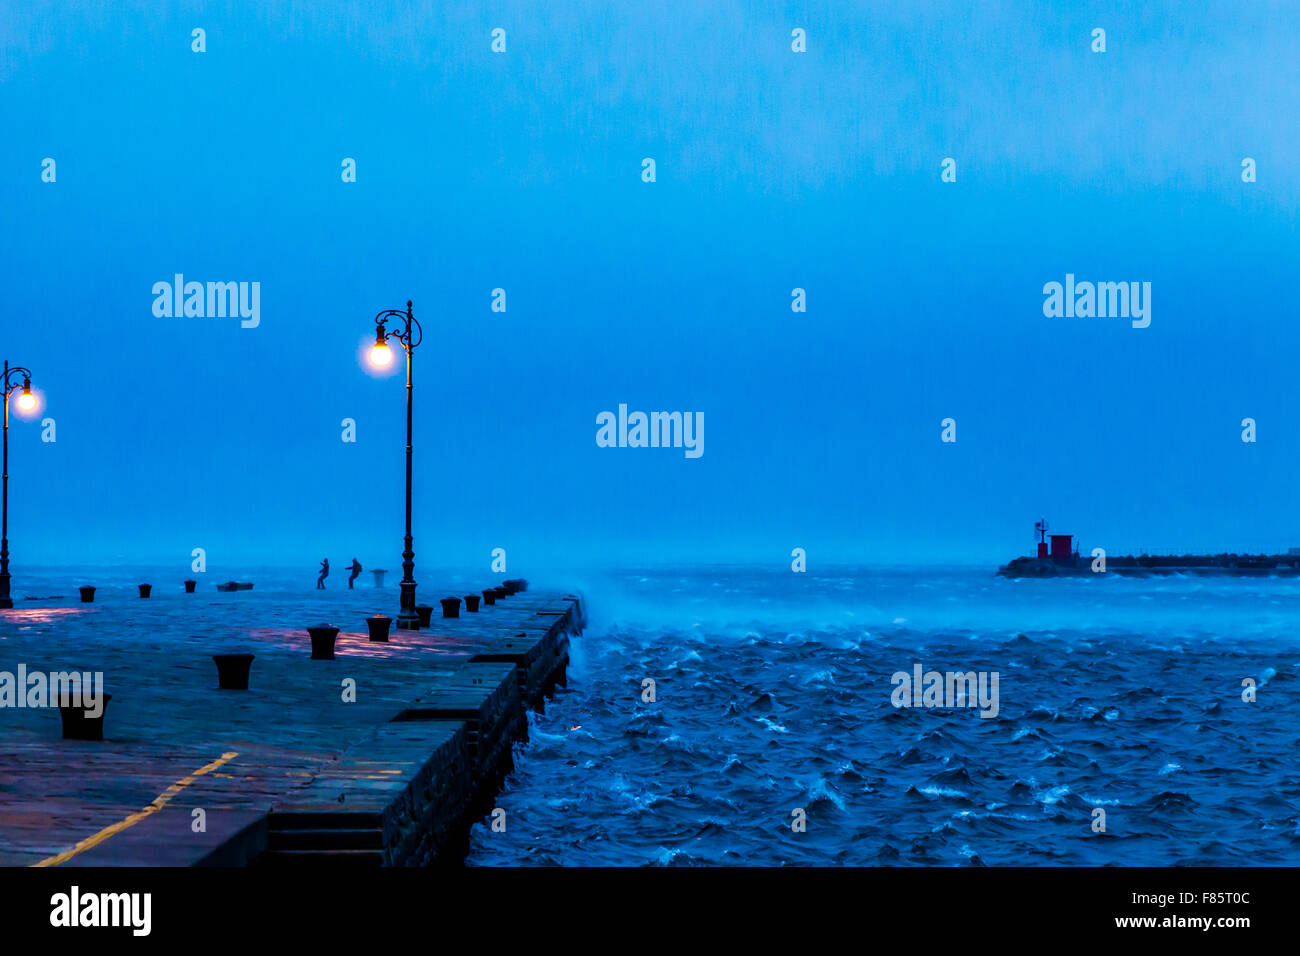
26, 400
381, 356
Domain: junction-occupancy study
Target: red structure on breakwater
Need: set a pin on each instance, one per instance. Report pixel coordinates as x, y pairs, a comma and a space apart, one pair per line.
1058, 555
1062, 547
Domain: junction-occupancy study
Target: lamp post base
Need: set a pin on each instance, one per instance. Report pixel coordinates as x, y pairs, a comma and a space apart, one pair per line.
408, 619
6, 602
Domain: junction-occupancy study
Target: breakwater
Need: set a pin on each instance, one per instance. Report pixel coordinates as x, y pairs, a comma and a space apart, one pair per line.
381, 756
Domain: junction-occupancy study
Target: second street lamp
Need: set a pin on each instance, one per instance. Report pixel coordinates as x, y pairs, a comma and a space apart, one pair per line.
26, 402
381, 356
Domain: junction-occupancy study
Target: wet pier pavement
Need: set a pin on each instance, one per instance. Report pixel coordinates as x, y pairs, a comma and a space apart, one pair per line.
382, 756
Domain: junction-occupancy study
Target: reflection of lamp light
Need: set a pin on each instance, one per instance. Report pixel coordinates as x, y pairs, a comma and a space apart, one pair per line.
26, 400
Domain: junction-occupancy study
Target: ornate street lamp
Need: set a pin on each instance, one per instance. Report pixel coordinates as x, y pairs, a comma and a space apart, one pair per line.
381, 356
26, 402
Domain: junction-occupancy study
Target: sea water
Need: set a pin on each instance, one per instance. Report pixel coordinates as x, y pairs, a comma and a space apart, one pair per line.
1125, 732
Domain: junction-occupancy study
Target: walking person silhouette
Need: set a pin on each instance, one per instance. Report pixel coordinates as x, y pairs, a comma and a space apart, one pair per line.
324, 573
356, 570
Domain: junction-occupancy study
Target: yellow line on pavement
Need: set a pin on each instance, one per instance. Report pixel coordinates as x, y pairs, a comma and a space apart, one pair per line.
159, 802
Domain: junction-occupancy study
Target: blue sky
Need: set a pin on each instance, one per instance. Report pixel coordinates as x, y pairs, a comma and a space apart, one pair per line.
775, 170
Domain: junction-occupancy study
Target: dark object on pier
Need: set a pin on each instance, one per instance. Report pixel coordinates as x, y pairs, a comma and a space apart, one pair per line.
500, 592
471, 603
514, 585
145, 590
490, 596
379, 576
379, 625
322, 642
232, 670
189, 586
87, 594
425, 614
451, 607
77, 725
236, 586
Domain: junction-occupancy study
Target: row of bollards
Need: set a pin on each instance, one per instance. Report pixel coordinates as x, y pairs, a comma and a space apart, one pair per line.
324, 635
450, 606
88, 592
233, 669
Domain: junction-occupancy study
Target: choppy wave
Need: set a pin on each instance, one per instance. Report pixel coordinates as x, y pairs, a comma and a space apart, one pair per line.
772, 701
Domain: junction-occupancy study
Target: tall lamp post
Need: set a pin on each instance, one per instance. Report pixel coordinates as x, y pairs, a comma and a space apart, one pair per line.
381, 356
26, 402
